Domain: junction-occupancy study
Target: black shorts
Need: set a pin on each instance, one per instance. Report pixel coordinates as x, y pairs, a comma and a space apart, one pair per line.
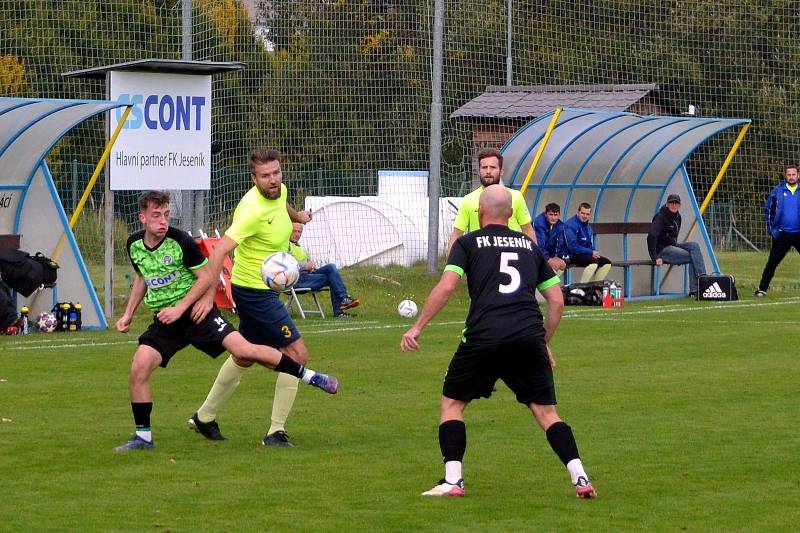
586, 260
168, 339
522, 364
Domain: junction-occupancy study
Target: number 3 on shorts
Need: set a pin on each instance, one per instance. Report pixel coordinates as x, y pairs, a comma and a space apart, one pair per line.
286, 331
513, 273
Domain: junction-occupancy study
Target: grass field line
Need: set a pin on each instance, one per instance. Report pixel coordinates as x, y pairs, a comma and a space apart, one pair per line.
583, 314
82, 344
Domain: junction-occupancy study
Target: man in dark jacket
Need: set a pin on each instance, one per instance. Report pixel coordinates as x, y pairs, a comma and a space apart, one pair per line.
549, 234
579, 246
782, 213
663, 245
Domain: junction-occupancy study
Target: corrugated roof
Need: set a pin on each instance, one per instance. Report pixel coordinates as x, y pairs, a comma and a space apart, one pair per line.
521, 101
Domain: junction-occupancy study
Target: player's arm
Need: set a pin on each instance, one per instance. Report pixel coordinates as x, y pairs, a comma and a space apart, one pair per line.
555, 308
216, 259
453, 238
302, 217
205, 302
168, 315
435, 302
527, 229
460, 225
138, 290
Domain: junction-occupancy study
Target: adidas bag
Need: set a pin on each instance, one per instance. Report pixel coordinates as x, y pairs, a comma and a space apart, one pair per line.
716, 287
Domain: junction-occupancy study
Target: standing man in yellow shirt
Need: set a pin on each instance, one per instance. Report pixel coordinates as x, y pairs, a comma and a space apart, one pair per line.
490, 167
262, 225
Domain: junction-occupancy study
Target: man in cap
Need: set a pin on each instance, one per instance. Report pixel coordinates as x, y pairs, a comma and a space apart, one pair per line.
663, 245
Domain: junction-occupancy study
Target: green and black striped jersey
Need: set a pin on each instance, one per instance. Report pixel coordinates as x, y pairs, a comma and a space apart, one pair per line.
167, 267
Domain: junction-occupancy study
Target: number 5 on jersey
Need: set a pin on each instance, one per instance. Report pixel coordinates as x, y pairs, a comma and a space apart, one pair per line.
513, 273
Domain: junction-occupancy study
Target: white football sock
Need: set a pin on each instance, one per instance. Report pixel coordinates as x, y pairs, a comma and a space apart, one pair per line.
452, 472
576, 470
145, 435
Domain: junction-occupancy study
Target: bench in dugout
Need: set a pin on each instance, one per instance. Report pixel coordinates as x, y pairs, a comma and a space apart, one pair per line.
626, 229
293, 299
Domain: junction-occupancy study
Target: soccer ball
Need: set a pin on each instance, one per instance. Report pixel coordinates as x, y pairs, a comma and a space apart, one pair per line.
407, 309
280, 271
46, 322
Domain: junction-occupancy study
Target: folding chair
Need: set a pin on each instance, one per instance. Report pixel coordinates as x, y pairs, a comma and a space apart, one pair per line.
292, 299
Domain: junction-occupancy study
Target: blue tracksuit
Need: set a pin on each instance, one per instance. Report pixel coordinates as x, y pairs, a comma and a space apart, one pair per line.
578, 236
550, 238
782, 211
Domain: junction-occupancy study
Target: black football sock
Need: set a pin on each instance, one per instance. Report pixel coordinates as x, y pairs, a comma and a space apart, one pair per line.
453, 440
287, 365
560, 437
141, 415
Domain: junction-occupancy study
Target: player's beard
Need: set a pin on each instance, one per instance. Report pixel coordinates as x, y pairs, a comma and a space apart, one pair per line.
485, 180
270, 194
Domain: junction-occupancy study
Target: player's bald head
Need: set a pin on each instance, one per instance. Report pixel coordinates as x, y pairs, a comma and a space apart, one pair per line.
495, 205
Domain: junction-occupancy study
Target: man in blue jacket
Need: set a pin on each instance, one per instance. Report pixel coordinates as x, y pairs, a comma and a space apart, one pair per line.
549, 234
579, 246
782, 213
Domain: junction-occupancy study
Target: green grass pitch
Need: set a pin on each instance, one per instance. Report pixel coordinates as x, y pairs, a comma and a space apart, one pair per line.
685, 414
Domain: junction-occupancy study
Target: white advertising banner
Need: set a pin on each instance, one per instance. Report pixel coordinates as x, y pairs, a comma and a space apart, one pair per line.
166, 141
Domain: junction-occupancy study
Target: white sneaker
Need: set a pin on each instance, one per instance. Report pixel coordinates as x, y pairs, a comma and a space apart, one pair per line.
447, 489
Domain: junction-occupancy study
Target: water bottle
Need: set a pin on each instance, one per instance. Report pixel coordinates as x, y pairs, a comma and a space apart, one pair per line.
617, 291
73, 320
64, 317
78, 315
606, 299
24, 312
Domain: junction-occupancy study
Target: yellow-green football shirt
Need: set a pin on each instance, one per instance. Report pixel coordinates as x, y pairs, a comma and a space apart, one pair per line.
467, 216
298, 252
260, 227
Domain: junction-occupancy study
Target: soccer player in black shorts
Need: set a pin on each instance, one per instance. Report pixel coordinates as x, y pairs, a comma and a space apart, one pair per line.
505, 337
174, 281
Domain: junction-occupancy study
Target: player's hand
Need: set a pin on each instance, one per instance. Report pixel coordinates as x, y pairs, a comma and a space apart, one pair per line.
659, 261
201, 308
304, 216
312, 266
168, 315
550, 357
596, 254
124, 324
410, 340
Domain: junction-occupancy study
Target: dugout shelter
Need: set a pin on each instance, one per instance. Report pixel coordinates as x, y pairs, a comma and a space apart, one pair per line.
624, 165
30, 206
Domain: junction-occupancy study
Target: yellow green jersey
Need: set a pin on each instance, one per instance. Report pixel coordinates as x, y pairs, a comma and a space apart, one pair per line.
260, 228
467, 216
298, 252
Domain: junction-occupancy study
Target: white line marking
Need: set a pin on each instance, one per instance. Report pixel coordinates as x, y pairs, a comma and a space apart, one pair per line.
588, 313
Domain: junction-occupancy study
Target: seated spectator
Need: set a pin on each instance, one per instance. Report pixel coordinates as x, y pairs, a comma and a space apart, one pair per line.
549, 230
663, 245
315, 278
579, 247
